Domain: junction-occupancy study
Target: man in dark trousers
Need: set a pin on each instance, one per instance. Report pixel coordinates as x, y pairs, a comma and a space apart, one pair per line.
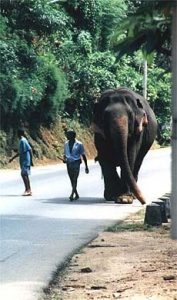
25, 154
73, 151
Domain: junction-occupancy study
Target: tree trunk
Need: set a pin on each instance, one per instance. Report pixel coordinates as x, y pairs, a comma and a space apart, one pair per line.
145, 78
174, 126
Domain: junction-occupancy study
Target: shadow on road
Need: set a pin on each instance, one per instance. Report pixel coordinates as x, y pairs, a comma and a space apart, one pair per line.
10, 195
80, 201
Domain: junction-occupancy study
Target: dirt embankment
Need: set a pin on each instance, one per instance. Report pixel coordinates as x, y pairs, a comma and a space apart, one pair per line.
134, 262
47, 144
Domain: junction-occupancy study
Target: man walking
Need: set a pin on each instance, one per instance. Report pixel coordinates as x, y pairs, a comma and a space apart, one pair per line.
73, 151
25, 154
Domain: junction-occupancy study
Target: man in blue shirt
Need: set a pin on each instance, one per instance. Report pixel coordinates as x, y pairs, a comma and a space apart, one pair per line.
73, 151
25, 159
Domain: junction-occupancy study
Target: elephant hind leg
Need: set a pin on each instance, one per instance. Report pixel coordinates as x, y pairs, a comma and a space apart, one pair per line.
138, 163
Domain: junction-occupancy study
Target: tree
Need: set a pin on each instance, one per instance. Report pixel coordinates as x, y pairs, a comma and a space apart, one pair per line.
148, 29
174, 126
151, 31
32, 87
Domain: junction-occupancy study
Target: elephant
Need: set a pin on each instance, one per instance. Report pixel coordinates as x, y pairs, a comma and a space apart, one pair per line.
125, 128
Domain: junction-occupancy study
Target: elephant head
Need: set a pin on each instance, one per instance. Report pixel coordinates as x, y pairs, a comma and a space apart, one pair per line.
121, 119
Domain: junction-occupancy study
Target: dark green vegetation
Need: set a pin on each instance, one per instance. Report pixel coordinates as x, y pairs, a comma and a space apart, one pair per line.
130, 227
58, 56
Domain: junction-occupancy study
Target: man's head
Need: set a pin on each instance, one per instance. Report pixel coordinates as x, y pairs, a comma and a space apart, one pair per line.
70, 134
20, 132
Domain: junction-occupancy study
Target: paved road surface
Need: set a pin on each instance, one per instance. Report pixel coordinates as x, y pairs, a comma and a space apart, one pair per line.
38, 232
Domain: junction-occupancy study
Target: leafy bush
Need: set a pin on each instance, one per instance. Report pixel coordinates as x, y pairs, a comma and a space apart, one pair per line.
34, 16
87, 79
53, 94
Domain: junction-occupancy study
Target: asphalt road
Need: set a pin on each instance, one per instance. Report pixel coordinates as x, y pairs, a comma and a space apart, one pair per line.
39, 232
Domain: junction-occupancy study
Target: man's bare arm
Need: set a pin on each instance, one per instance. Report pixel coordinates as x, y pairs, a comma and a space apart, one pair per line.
13, 157
85, 161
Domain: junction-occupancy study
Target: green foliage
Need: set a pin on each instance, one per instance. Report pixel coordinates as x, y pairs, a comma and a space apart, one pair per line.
34, 16
159, 90
87, 77
94, 76
129, 73
84, 42
56, 57
159, 95
32, 86
41, 90
8, 58
53, 93
3, 27
112, 14
86, 14
147, 28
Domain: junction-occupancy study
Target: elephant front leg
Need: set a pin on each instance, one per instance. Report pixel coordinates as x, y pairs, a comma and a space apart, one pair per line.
126, 196
124, 184
112, 182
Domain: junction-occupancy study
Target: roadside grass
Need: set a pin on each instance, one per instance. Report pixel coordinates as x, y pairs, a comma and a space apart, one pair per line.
134, 222
52, 296
130, 227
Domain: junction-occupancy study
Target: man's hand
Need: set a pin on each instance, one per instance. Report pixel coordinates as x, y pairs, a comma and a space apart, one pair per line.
86, 170
64, 159
13, 157
96, 159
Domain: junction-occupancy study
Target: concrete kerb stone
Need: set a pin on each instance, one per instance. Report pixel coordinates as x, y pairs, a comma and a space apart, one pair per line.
153, 215
162, 209
166, 199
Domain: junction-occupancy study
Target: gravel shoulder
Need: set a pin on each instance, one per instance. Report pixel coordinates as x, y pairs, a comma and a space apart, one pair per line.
128, 261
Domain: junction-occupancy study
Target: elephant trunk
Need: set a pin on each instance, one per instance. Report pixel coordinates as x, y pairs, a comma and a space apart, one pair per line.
119, 133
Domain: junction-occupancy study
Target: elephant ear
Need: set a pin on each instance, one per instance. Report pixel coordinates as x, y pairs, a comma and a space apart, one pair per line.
142, 120
139, 103
95, 108
97, 114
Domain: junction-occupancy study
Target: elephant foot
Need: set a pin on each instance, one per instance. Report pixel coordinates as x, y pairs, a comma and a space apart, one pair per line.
112, 198
125, 199
134, 197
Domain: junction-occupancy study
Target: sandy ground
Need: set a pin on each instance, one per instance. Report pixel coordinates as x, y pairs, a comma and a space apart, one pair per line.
134, 263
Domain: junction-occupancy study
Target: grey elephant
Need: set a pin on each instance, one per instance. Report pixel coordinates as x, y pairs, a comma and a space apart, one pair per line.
124, 128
